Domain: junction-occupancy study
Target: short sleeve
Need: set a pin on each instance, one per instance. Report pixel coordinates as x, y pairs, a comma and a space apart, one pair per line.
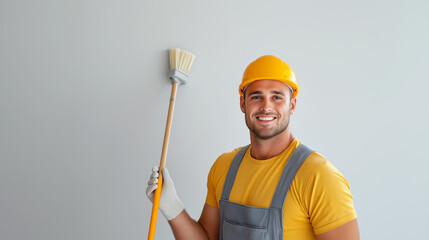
217, 176
211, 188
328, 199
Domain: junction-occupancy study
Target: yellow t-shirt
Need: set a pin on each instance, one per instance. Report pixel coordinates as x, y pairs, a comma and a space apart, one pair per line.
318, 200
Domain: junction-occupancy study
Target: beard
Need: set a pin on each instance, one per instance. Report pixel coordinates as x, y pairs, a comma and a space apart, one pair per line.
266, 133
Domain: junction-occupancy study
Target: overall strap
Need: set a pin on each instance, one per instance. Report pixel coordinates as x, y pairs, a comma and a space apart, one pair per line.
232, 172
292, 166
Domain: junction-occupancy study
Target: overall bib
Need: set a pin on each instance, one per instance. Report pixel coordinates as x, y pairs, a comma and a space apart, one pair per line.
238, 221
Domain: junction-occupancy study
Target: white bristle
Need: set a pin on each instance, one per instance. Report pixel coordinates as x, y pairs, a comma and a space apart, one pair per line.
171, 52
181, 60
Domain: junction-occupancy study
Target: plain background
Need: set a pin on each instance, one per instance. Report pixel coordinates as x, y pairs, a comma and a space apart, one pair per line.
84, 96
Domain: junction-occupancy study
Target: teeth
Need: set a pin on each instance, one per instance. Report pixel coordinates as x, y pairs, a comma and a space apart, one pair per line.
266, 118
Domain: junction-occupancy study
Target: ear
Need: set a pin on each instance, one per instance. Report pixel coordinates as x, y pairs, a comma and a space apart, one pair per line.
292, 105
242, 104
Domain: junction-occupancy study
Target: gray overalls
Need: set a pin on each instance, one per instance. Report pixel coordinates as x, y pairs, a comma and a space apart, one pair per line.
238, 221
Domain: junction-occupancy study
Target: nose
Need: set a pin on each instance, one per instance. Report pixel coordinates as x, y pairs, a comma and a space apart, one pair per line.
266, 106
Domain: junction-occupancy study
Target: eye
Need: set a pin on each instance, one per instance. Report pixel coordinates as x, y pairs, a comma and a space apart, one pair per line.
277, 98
255, 97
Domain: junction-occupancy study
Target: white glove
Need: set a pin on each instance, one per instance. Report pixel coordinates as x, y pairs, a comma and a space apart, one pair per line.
169, 204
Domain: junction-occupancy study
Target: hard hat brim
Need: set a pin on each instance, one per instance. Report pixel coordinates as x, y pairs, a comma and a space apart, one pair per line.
291, 84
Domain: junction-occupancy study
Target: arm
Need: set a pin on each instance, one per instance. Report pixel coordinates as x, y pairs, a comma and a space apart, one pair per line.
184, 227
347, 231
210, 221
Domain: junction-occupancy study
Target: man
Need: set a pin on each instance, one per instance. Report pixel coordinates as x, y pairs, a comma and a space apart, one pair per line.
276, 188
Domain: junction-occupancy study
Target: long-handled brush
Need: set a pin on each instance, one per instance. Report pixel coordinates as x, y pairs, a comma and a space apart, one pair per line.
180, 65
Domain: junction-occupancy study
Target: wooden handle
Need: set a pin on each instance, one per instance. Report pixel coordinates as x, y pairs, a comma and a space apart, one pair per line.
157, 194
168, 127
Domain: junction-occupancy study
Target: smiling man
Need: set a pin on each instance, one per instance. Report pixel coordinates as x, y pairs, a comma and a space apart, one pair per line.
274, 188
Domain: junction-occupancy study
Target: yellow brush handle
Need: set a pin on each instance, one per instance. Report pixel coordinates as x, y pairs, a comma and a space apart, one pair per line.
155, 208
157, 194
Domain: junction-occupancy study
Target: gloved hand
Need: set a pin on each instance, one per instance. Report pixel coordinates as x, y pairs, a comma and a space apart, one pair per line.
169, 204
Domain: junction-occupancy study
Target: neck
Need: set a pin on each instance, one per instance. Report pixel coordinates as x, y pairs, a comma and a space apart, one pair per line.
263, 149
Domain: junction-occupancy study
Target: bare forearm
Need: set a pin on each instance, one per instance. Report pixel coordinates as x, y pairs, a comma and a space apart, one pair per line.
347, 231
184, 227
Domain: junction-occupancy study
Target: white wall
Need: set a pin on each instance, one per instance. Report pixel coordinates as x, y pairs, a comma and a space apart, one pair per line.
84, 96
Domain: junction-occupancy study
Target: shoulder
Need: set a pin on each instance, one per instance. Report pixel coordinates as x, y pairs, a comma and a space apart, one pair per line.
325, 172
220, 167
225, 159
316, 165
318, 179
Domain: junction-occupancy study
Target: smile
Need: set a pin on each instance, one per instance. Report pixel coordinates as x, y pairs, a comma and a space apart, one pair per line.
265, 118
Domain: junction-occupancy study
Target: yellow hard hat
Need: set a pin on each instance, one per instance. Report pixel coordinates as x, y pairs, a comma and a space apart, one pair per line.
269, 67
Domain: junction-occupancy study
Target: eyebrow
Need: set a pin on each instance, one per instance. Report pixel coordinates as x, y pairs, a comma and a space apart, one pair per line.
278, 92
260, 92
254, 93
